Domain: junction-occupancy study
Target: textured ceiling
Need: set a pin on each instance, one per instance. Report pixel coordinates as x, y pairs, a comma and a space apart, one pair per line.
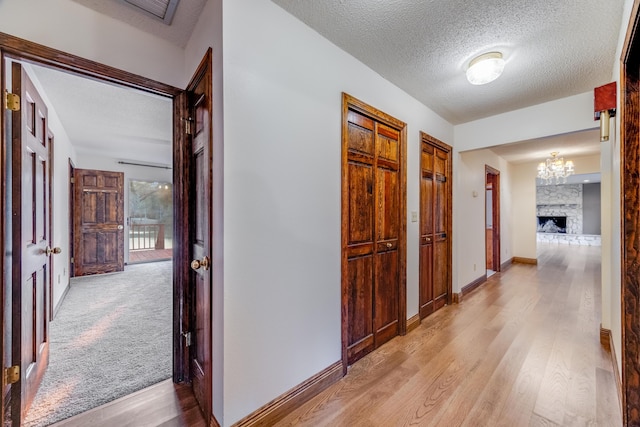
103, 119
552, 49
178, 33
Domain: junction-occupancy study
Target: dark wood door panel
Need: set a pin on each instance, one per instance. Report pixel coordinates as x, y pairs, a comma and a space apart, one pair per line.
31, 191
198, 158
387, 205
98, 210
361, 139
360, 203
360, 299
426, 204
435, 225
386, 293
440, 269
426, 279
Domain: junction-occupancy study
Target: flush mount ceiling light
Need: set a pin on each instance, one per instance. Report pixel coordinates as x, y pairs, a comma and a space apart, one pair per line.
485, 68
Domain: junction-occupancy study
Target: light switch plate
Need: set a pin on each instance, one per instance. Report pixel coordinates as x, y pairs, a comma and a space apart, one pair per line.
414, 216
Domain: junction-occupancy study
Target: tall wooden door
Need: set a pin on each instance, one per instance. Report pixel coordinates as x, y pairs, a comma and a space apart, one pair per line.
192, 261
492, 218
31, 242
373, 229
435, 225
98, 211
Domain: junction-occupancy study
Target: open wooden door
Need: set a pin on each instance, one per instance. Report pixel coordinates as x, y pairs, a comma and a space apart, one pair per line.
31, 242
492, 218
98, 217
193, 222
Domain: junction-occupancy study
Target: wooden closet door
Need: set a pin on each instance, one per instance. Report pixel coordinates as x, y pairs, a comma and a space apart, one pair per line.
441, 261
426, 230
360, 234
387, 226
374, 234
435, 225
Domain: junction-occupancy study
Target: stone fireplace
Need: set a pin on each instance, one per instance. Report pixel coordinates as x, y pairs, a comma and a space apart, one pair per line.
561, 201
560, 215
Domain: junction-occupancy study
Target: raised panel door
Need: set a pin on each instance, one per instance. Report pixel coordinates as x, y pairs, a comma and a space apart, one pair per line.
31, 240
372, 204
98, 209
435, 226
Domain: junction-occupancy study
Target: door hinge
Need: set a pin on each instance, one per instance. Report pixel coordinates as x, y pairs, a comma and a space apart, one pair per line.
11, 101
187, 125
73, 180
187, 338
72, 260
11, 375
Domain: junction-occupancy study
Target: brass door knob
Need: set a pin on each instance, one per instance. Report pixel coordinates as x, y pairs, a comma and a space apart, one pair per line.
204, 263
48, 251
389, 245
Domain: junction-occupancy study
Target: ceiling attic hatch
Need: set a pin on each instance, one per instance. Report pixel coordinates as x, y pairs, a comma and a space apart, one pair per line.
158, 9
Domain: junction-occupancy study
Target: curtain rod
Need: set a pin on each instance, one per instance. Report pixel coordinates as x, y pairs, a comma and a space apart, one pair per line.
146, 165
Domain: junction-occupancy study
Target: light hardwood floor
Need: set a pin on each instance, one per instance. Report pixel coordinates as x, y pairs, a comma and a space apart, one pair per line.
523, 350
164, 404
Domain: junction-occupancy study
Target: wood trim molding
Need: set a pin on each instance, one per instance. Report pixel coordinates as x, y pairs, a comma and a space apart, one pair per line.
413, 322
508, 263
24, 49
616, 371
606, 341
278, 408
473, 285
605, 337
522, 260
457, 298
213, 422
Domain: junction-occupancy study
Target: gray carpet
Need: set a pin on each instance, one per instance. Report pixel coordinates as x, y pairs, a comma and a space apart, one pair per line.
111, 337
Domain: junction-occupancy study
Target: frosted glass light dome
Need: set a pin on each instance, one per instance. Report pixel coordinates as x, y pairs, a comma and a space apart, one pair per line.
485, 68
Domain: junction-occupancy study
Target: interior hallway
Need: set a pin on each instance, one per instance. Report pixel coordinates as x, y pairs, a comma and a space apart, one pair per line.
521, 350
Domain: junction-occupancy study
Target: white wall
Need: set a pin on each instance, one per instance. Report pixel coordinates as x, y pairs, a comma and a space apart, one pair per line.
62, 152
73, 28
470, 210
282, 106
564, 115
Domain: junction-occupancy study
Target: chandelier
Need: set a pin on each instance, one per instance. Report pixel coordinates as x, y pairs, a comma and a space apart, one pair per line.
555, 169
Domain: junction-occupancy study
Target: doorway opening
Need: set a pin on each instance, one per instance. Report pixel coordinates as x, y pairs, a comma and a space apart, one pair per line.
492, 220
185, 312
120, 322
